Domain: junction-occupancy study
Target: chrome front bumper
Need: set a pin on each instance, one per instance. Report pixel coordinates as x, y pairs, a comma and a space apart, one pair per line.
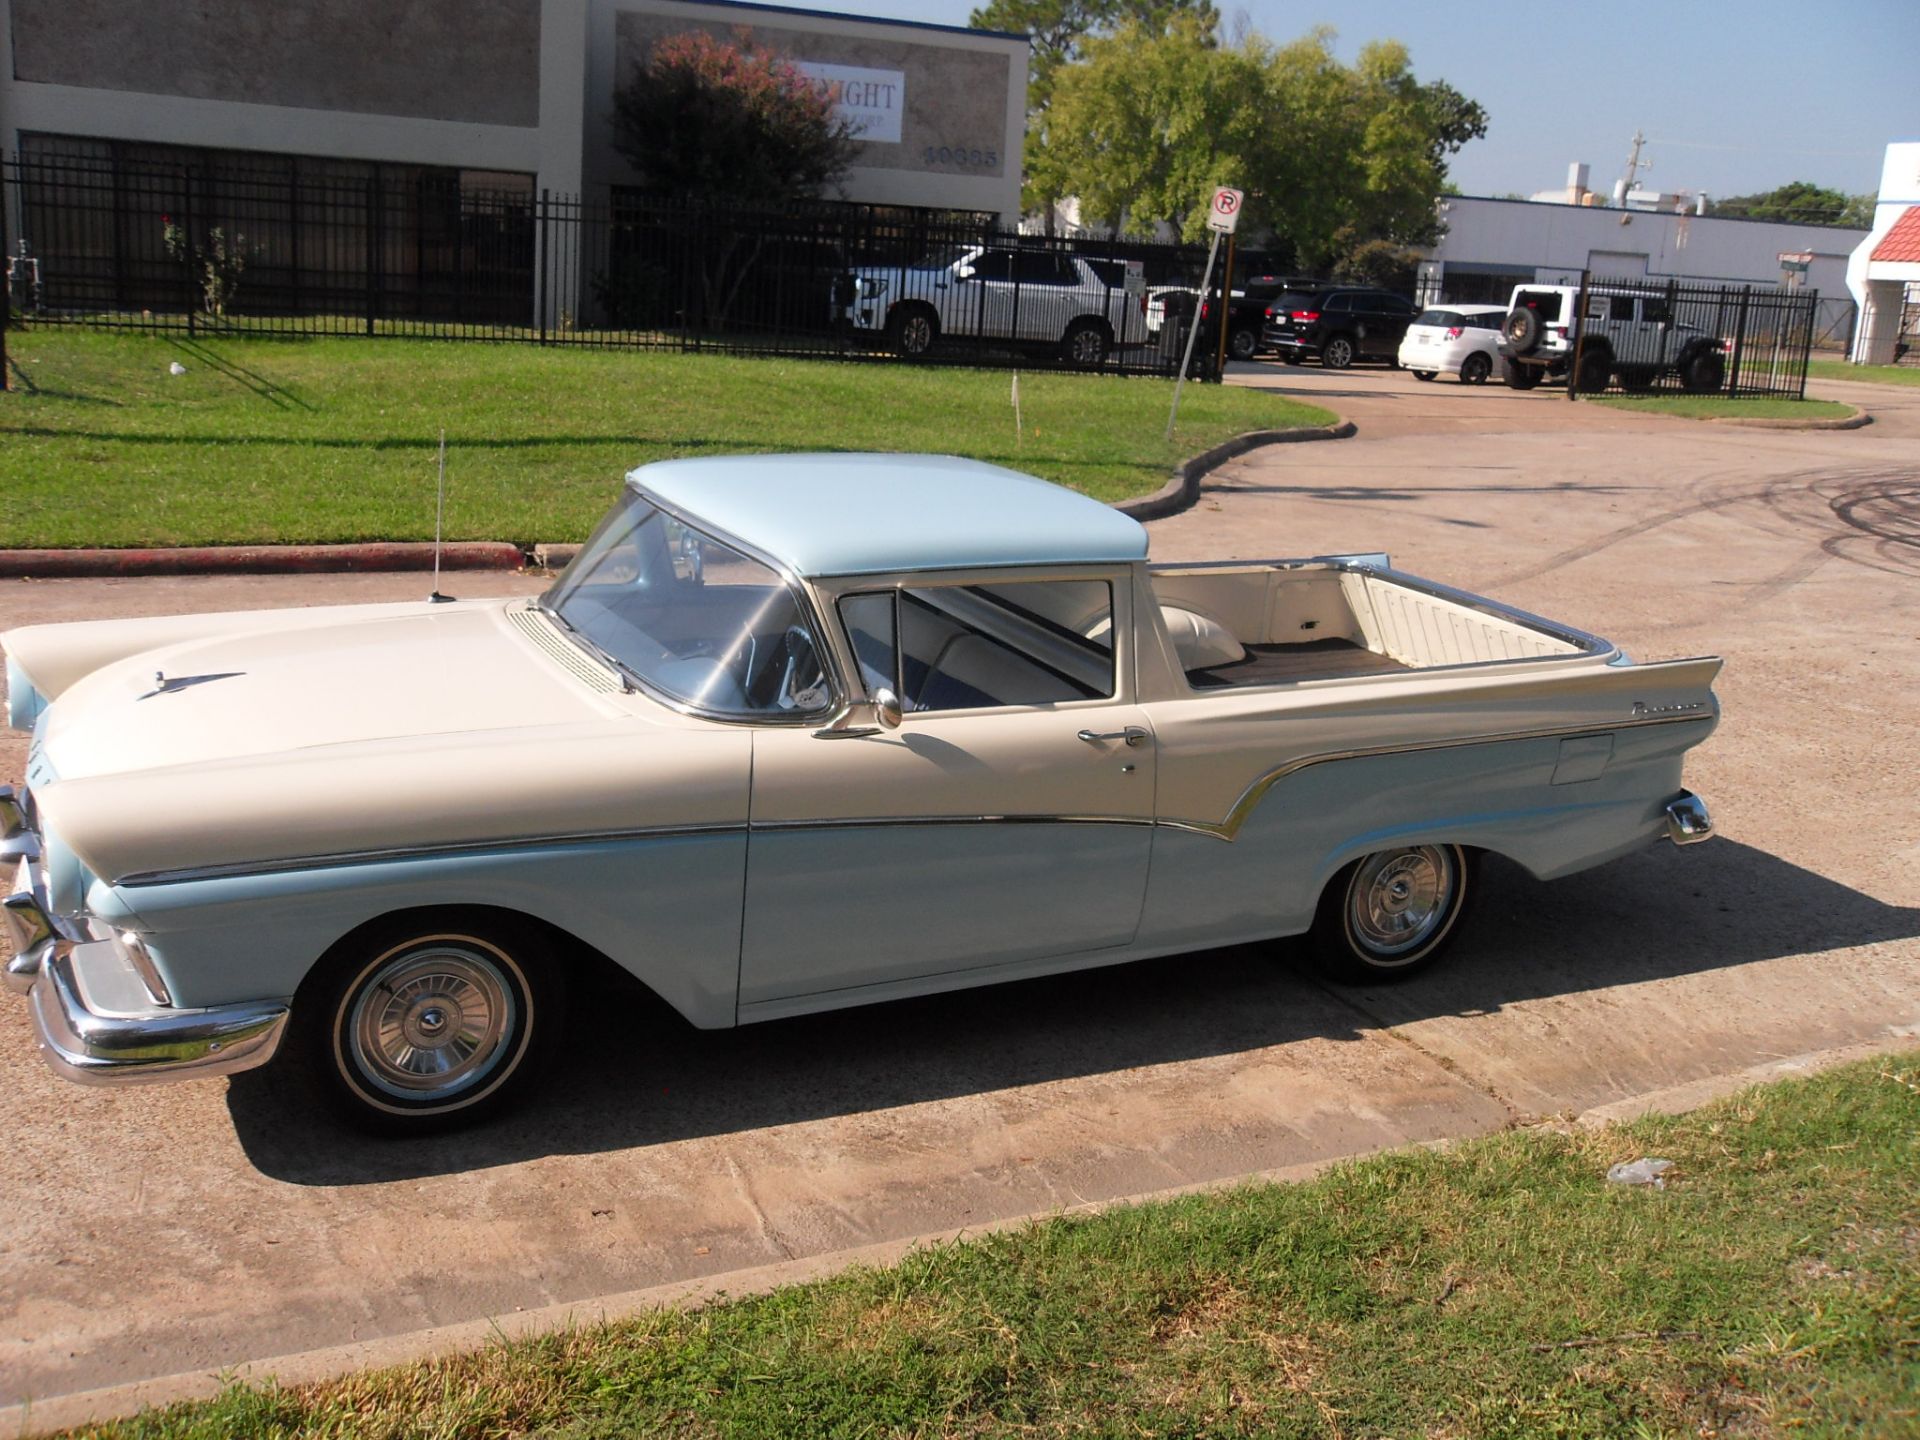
100, 1019
1687, 820
99, 1025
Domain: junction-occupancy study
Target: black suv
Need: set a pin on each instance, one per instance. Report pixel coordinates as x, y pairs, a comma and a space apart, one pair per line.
1340, 324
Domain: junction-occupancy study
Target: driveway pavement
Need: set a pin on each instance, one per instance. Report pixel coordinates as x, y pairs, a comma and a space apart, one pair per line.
189, 1228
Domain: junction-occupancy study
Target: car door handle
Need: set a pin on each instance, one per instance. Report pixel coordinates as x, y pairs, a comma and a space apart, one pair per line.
1133, 735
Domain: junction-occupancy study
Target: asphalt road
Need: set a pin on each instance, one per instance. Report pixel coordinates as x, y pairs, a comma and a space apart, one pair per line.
188, 1228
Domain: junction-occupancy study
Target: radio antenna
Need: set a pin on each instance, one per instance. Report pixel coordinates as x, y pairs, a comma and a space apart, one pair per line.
439, 523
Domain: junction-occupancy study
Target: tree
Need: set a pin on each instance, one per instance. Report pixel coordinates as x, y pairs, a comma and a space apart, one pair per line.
1059, 31
1146, 124
1149, 124
728, 123
1798, 201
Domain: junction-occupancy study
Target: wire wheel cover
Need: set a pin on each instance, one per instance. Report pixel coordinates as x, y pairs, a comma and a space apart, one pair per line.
432, 1021
1400, 900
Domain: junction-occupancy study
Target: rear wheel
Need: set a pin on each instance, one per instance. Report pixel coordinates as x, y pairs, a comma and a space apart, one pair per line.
1391, 914
1594, 370
1085, 344
1337, 353
419, 1025
1241, 344
1518, 376
1475, 369
1424, 374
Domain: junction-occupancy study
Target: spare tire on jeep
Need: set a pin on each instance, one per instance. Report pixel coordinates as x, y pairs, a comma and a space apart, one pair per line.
1523, 331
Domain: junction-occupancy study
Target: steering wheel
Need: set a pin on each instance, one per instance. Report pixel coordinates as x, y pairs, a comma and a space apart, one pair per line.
801, 676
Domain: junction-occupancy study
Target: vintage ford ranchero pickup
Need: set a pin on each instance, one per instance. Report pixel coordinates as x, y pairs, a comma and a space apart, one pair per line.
790, 733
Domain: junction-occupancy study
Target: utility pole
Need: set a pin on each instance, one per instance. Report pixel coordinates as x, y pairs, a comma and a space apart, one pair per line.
1633, 164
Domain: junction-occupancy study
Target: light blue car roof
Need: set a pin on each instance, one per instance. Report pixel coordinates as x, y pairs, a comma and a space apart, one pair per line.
867, 514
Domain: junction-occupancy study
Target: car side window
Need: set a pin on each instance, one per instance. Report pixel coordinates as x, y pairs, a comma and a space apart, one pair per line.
1039, 267
1338, 304
972, 647
993, 265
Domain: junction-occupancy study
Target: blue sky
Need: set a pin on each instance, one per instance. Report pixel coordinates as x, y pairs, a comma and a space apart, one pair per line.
1735, 96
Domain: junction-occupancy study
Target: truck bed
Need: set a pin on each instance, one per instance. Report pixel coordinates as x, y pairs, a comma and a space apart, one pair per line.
1313, 660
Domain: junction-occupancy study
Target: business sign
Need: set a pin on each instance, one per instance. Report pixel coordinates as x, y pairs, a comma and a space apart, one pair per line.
1224, 215
874, 100
1795, 259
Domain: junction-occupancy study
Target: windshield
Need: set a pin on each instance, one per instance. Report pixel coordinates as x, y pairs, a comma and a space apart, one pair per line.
689, 616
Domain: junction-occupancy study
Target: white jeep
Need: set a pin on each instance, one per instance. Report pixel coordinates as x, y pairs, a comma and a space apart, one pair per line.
1631, 334
1032, 297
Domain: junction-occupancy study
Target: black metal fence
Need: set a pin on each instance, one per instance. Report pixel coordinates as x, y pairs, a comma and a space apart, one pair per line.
1650, 336
300, 248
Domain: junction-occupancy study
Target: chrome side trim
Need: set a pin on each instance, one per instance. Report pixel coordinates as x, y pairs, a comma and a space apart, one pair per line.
1226, 829
1229, 828
332, 859
157, 1043
1687, 820
878, 822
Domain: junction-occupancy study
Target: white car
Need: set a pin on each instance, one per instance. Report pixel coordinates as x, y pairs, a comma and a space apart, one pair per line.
1036, 297
1461, 340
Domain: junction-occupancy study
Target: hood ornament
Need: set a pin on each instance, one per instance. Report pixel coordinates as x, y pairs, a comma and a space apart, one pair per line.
164, 686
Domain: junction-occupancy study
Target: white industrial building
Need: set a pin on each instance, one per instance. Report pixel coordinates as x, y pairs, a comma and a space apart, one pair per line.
511, 91
1488, 246
1884, 271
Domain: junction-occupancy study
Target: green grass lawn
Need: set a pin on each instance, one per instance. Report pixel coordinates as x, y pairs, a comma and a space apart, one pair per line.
1499, 1289
1717, 407
334, 439
1869, 374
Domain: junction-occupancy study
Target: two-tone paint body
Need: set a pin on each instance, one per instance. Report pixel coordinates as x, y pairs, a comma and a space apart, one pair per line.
217, 800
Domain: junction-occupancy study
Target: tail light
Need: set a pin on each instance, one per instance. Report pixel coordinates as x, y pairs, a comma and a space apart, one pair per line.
1271, 312
1559, 332
1454, 332
1206, 308
1143, 302
1305, 317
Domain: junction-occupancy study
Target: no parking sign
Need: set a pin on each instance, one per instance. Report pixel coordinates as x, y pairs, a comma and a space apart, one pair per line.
1224, 215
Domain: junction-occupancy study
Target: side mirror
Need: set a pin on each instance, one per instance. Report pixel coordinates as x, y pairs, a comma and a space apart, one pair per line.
886, 708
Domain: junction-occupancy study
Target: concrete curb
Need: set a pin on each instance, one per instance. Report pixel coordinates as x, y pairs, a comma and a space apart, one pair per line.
1855, 421
258, 559
63, 1412
1180, 492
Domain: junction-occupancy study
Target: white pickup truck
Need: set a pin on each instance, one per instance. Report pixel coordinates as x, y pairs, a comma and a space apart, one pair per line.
791, 733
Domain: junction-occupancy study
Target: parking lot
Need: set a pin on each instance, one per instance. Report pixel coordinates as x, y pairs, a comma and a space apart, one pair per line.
175, 1229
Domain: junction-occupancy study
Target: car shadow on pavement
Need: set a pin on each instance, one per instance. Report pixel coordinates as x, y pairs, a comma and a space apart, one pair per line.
634, 1075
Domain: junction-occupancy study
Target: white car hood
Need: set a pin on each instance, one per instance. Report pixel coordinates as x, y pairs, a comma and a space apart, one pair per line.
272, 690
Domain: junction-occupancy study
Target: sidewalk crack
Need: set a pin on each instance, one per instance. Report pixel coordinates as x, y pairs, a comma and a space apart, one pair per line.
1516, 1117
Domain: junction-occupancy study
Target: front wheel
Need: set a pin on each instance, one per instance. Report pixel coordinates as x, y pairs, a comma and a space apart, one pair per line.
1337, 353
911, 331
418, 1026
1391, 913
